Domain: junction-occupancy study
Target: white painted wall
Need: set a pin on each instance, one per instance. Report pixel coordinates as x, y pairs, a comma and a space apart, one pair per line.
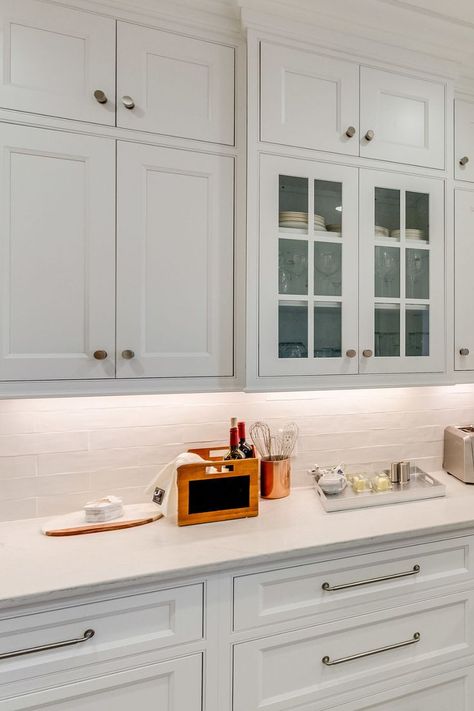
55, 454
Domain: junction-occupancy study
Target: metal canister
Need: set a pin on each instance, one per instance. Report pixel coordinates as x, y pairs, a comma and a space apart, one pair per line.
395, 472
405, 472
274, 478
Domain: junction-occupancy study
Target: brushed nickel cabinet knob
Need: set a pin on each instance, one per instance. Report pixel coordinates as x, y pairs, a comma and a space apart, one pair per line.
100, 355
100, 96
350, 132
128, 354
464, 351
351, 353
464, 160
370, 135
367, 353
128, 102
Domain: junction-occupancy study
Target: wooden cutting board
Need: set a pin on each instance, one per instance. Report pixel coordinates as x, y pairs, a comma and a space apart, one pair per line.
74, 524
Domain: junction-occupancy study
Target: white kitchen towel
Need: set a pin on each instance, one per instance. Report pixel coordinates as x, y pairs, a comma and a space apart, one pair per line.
163, 490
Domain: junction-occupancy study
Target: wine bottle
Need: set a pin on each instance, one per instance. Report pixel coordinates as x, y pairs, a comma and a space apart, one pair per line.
234, 451
244, 446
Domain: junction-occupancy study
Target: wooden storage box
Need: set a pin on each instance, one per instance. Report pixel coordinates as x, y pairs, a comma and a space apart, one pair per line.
231, 492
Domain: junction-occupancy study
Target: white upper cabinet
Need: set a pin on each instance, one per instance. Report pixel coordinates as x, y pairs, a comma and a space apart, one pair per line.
402, 273
53, 59
463, 281
464, 140
175, 263
309, 100
174, 85
308, 268
402, 118
57, 251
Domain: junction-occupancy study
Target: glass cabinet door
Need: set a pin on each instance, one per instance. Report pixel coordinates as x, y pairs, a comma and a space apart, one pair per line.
308, 268
401, 273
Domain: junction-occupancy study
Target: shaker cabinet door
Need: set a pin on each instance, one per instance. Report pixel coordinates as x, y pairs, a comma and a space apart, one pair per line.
53, 59
463, 282
402, 118
57, 252
402, 325
174, 263
464, 140
309, 100
174, 85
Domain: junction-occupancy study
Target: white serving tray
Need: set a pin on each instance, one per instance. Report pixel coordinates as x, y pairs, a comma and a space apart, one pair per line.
421, 486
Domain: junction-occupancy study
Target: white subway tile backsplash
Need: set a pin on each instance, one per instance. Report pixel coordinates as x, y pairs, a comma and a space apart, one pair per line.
55, 454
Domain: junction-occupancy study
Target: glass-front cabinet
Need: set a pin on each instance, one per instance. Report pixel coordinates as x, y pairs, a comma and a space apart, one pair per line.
308, 268
402, 273
351, 270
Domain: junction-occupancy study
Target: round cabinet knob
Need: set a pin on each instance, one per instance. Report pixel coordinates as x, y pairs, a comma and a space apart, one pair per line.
350, 132
367, 353
100, 96
351, 353
128, 354
464, 351
100, 355
370, 135
128, 102
464, 160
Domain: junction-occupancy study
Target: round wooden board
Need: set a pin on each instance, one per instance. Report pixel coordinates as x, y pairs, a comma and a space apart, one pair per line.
74, 524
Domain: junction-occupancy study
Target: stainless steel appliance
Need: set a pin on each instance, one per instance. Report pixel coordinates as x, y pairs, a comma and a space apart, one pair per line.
459, 452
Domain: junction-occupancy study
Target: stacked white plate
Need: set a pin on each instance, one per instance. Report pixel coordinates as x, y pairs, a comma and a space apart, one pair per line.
293, 219
319, 223
409, 234
381, 231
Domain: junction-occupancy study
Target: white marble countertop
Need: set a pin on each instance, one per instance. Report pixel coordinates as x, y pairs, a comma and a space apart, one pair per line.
34, 567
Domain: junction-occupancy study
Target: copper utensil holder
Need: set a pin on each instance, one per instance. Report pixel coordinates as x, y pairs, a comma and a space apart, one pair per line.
275, 478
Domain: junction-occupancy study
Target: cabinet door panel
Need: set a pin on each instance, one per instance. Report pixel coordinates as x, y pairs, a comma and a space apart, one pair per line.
402, 273
463, 282
308, 100
464, 140
174, 685
406, 115
180, 86
57, 246
308, 249
52, 59
175, 262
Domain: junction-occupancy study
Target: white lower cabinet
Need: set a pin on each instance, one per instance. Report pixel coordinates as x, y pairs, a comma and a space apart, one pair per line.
174, 263
286, 670
174, 685
57, 255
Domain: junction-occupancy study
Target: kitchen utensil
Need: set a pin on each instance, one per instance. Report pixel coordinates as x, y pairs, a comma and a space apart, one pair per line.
289, 435
261, 437
74, 524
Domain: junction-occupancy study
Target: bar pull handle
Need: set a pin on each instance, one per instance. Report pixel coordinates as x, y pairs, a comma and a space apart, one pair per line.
395, 576
88, 634
332, 662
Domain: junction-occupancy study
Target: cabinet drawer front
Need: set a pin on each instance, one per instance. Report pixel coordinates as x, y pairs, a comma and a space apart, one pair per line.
308, 100
54, 59
174, 685
294, 593
406, 115
122, 626
180, 86
284, 670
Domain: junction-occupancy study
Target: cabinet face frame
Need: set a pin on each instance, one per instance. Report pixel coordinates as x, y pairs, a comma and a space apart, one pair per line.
464, 139
90, 41
370, 180
271, 296
463, 281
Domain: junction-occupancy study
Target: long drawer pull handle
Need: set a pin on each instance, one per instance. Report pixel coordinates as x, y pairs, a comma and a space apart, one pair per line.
329, 663
88, 634
415, 570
